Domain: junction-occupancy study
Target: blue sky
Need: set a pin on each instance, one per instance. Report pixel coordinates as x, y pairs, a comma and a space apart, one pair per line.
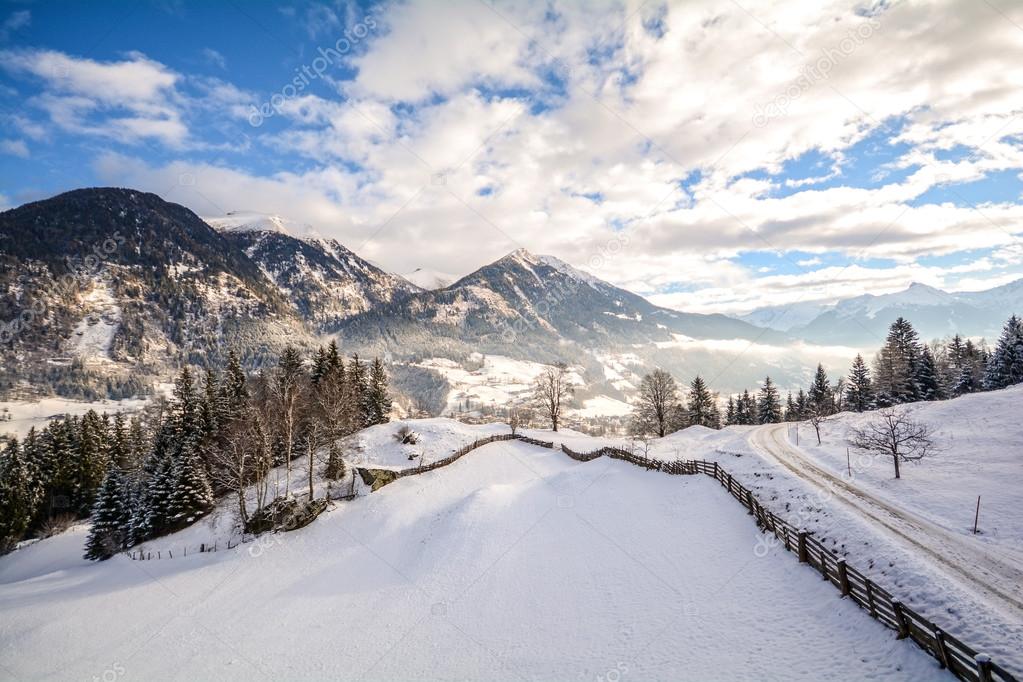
679, 150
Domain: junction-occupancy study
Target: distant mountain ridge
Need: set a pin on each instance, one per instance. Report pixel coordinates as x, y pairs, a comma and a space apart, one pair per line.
864, 320
174, 289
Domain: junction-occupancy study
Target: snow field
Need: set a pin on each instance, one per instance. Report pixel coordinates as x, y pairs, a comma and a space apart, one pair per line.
514, 562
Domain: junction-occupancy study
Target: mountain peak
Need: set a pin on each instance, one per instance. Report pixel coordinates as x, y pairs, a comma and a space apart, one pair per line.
251, 221
521, 254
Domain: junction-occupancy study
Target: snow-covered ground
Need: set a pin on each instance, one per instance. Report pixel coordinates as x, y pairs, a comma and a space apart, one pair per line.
979, 441
93, 336
500, 381
515, 562
24, 414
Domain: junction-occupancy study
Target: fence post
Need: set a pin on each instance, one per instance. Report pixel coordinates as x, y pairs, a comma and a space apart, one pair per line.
802, 546
715, 469
900, 618
983, 667
843, 577
749, 502
939, 639
870, 598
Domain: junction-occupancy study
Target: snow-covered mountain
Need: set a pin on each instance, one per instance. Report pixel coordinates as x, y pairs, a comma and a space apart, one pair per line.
324, 281
108, 286
864, 320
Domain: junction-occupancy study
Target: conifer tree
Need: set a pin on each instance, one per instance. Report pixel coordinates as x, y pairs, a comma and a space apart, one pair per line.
768, 403
378, 400
896, 365
802, 405
928, 382
1005, 366
791, 413
730, 411
17, 503
234, 389
820, 396
701, 409
859, 393
111, 519
357, 382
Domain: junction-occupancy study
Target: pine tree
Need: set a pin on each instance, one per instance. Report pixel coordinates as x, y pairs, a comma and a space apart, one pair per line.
700, 407
859, 393
896, 365
820, 396
17, 499
357, 383
91, 461
234, 389
746, 409
802, 405
111, 519
191, 494
730, 412
1005, 367
768, 403
378, 401
928, 382
791, 412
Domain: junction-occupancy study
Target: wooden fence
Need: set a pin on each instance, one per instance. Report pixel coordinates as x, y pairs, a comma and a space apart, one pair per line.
959, 658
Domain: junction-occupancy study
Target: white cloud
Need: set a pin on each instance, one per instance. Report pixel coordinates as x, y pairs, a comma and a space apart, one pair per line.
14, 148
568, 128
136, 95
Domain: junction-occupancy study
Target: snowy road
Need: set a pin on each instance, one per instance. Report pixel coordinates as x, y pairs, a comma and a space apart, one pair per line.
995, 575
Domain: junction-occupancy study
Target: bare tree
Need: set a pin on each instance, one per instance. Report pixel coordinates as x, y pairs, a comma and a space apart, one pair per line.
549, 390
658, 396
241, 460
818, 414
896, 435
514, 420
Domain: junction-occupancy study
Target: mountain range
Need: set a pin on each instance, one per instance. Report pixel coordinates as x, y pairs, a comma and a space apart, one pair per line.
105, 290
863, 320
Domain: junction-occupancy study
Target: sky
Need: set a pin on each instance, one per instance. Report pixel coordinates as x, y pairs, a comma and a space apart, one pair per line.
712, 156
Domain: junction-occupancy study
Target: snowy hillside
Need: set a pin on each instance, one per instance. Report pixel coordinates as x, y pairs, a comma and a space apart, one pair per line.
979, 451
513, 563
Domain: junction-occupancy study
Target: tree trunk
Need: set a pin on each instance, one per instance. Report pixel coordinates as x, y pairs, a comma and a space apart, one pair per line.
896, 460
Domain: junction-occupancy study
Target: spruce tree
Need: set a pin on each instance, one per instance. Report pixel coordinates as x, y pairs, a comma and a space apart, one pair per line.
896, 365
357, 383
1005, 366
768, 403
820, 396
791, 412
700, 407
928, 382
802, 405
730, 412
378, 400
111, 519
234, 388
859, 393
17, 500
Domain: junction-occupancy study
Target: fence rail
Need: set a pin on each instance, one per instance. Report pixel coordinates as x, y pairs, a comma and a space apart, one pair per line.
952, 654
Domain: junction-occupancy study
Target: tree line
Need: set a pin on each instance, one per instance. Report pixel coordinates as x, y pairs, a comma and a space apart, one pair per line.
164, 469
904, 370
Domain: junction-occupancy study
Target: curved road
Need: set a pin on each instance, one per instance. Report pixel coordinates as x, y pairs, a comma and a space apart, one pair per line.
970, 562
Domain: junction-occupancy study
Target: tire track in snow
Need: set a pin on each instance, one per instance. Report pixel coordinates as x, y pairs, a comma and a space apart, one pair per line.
981, 570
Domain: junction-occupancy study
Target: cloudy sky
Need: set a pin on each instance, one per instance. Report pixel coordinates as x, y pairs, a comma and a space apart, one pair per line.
714, 156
